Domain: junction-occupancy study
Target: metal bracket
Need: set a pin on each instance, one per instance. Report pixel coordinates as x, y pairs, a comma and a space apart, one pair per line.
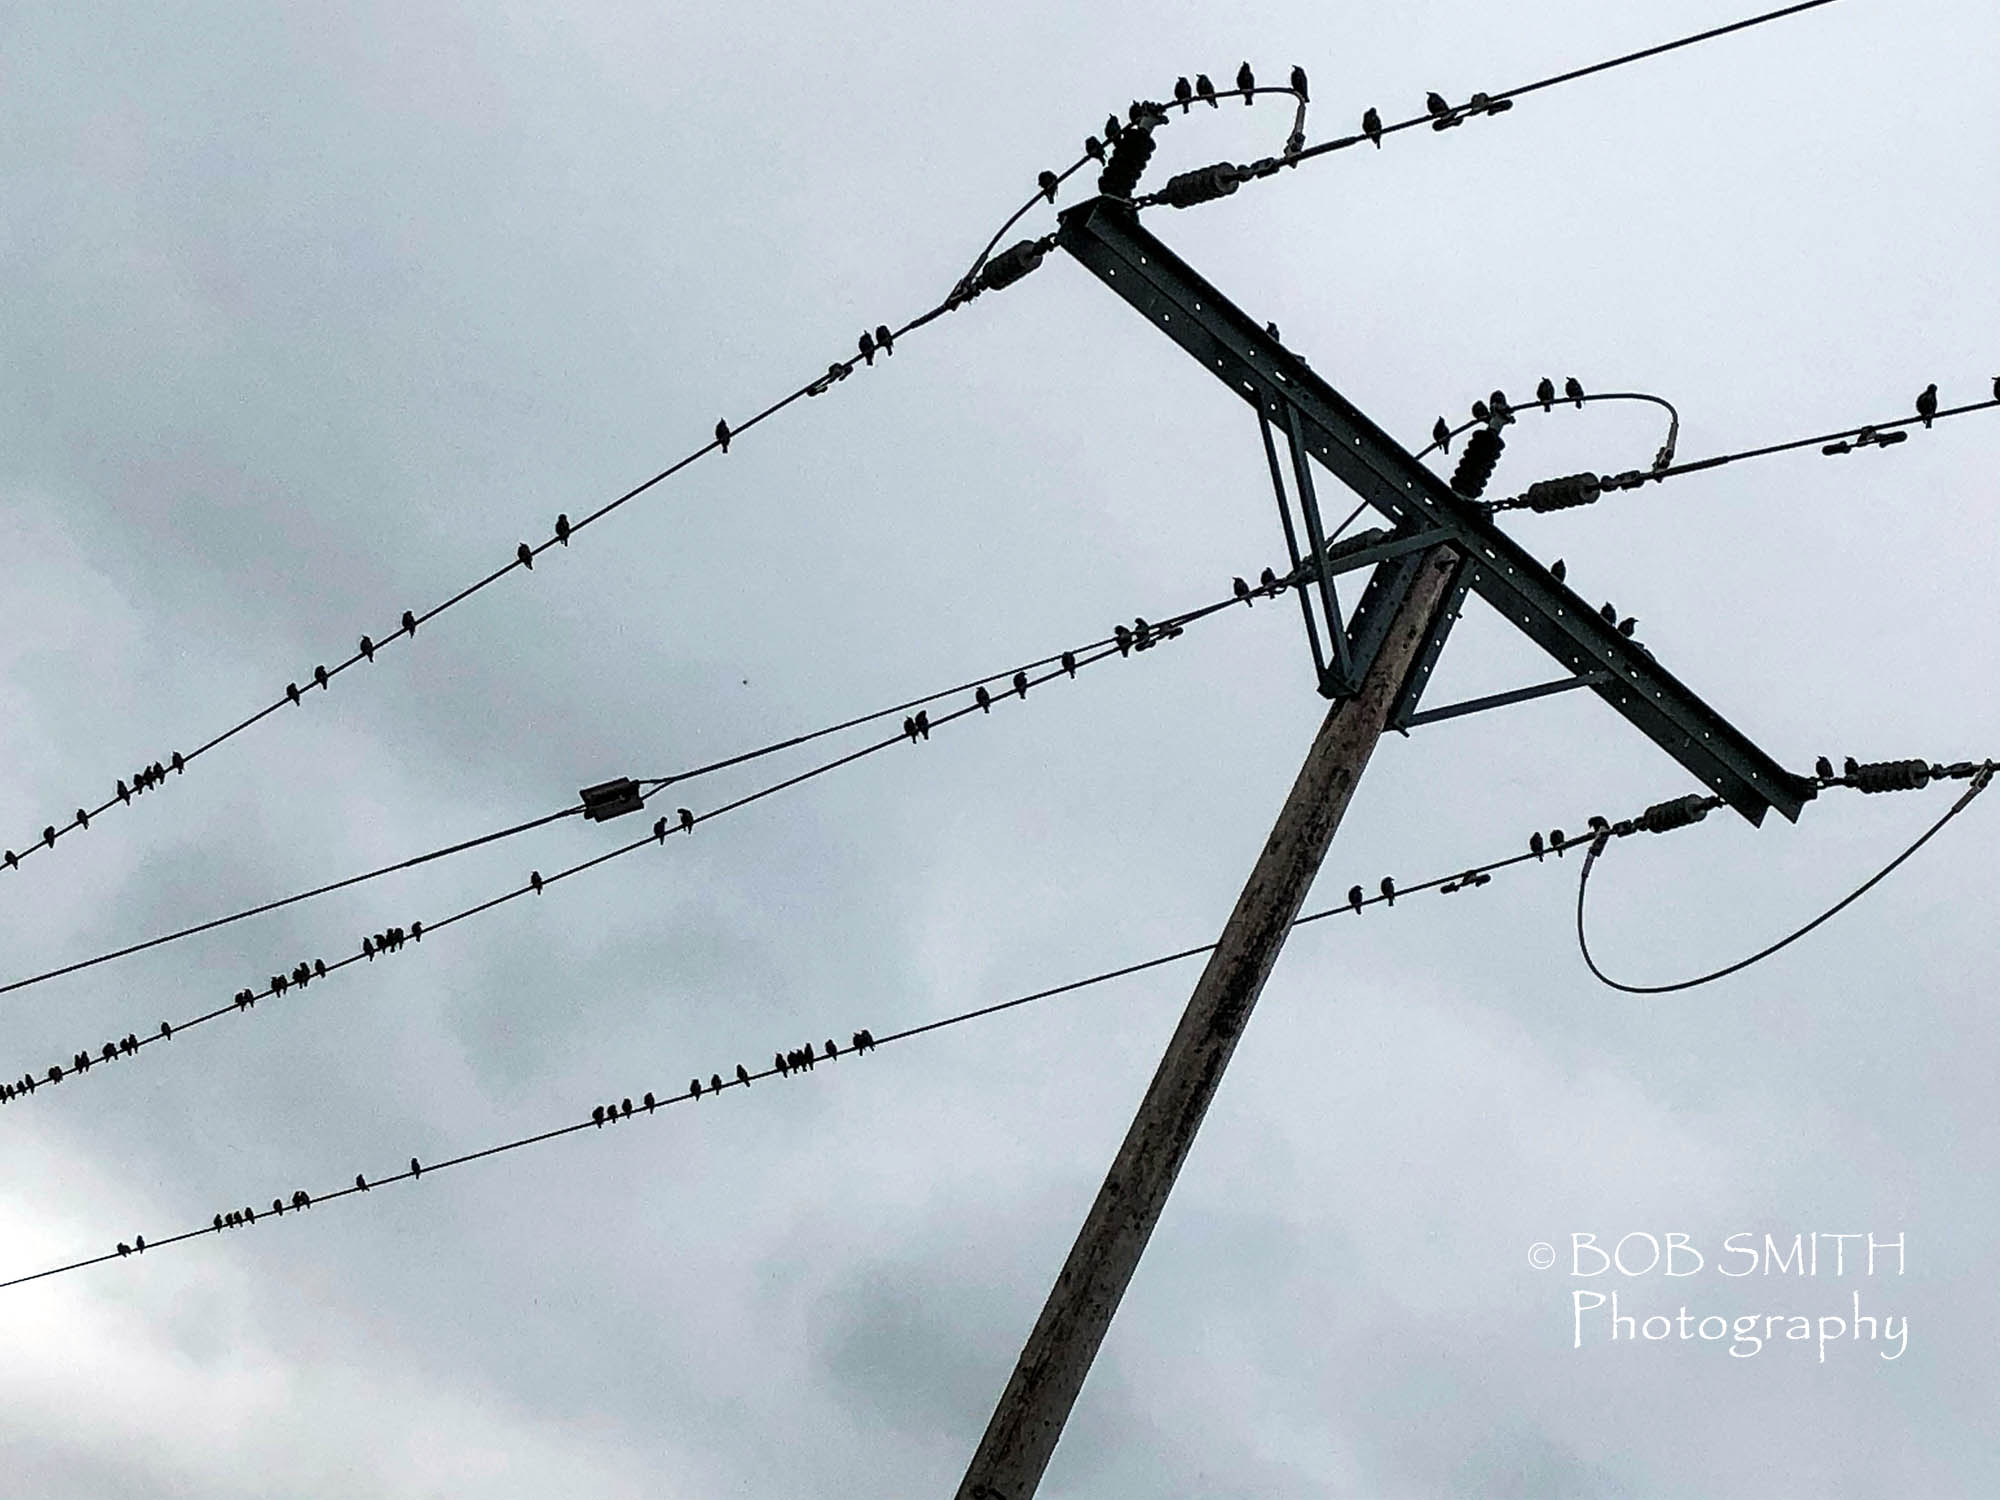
1107, 238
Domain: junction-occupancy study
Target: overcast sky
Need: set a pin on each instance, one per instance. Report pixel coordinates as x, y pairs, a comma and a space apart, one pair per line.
311, 315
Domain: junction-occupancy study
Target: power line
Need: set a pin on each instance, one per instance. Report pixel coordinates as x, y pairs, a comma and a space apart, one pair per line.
1448, 884
1982, 776
1123, 643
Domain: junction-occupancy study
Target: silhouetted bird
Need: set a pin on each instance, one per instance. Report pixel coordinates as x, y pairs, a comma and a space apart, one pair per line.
123, 1248
1823, 768
292, 691
1609, 613
1535, 844
416, 1168
367, 648
124, 792
1183, 93
1354, 897
1480, 413
218, 1222
714, 1082
597, 1116
1246, 81
1559, 569
179, 764
1434, 102
361, 1182
722, 434
409, 623
909, 729
625, 1108
1627, 625
884, 339
1927, 403
1388, 890
1371, 125
525, 555
1272, 329
1556, 840
984, 699
1205, 91
867, 342
778, 1061
302, 1199
1849, 767
1546, 393
166, 1032
687, 819
1118, 633
867, 1041
857, 1041
535, 880
660, 829
1299, 83
649, 1102
139, 1243
562, 528
1069, 662
1021, 684
82, 818
1240, 589
1573, 388
1093, 148
1502, 411
742, 1075
277, 1205
923, 723
1268, 581
1441, 435
694, 1088
319, 675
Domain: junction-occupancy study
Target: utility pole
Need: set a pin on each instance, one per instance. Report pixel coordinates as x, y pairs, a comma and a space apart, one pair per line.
1036, 1403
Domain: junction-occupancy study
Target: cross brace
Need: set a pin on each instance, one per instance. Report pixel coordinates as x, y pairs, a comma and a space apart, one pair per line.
1317, 422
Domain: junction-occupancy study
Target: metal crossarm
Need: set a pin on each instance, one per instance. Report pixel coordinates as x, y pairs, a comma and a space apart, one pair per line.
1106, 236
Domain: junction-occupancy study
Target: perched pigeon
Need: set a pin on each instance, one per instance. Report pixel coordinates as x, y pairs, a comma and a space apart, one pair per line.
1371, 125
1927, 403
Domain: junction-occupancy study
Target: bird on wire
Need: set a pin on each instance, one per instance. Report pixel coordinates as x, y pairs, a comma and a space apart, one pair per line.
1246, 81
743, 1075
1371, 125
722, 433
1205, 91
687, 819
1441, 435
1299, 83
1546, 393
1183, 95
1573, 388
1927, 403
525, 556
562, 528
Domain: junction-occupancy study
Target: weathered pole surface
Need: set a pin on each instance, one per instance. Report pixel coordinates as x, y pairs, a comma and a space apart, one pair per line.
1036, 1403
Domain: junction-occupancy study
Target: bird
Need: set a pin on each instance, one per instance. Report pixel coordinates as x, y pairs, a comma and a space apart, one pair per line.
319, 675
1299, 83
1546, 393
166, 1032
1480, 413
302, 1199
1389, 890
1246, 81
1441, 435
1556, 840
1021, 684
1241, 589
743, 1075
409, 623
1535, 844
1069, 662
884, 339
1093, 148
1119, 633
694, 1088
1184, 93
124, 792
562, 528
625, 1108
1559, 570
82, 818
292, 691
831, 1049
1434, 102
1927, 403
649, 1102
660, 829
277, 1205
416, 936
1823, 768
361, 1182
218, 1221
597, 1116
1354, 897
416, 1168
1272, 329
1627, 625
714, 1082
778, 1061
123, 1248
1268, 581
1112, 129
367, 648
535, 880
1849, 767
1502, 411
1608, 612
139, 1243
984, 699
722, 433
924, 723
1371, 125
867, 341
1204, 90
525, 556
1573, 388
687, 819
909, 729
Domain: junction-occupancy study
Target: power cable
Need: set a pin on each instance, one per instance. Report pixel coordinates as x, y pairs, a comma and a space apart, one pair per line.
1982, 776
1123, 643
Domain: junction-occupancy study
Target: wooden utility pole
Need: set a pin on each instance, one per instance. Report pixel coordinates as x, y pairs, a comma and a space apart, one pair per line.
1036, 1403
